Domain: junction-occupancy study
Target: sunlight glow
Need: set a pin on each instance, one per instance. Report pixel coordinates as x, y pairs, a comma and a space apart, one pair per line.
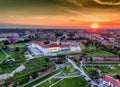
94, 26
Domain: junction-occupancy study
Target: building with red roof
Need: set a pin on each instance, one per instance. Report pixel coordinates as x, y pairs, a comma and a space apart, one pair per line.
53, 47
115, 82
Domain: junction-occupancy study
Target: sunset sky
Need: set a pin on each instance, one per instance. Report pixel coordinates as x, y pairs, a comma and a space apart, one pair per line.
60, 13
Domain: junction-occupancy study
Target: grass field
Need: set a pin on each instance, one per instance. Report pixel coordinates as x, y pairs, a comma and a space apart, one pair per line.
48, 83
73, 82
2, 55
68, 82
106, 70
94, 52
17, 45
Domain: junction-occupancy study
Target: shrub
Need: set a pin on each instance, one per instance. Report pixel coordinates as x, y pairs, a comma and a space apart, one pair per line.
23, 80
34, 75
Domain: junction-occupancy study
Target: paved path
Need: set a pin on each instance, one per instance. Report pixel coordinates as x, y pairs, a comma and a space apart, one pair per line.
60, 77
101, 64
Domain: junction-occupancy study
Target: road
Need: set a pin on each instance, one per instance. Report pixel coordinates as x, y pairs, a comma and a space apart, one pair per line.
82, 73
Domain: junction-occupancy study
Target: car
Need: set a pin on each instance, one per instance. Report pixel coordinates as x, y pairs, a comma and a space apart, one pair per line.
89, 80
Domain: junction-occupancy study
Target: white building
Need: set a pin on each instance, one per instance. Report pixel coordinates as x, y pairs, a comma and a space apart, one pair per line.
53, 47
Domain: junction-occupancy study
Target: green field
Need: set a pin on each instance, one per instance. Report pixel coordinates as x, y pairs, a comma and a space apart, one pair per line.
2, 55
94, 52
73, 82
105, 70
68, 82
48, 83
17, 45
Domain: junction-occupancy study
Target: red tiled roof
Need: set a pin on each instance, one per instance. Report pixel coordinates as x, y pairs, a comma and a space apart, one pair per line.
53, 45
66, 45
41, 43
115, 82
11, 39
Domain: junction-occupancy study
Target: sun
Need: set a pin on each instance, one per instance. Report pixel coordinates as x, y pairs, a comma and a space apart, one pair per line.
95, 26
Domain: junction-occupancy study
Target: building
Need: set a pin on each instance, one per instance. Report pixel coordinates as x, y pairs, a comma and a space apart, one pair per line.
53, 47
112, 81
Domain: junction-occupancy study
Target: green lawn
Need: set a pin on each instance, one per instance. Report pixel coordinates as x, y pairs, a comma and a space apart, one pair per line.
48, 83
73, 82
17, 45
12, 54
94, 52
105, 70
68, 82
2, 55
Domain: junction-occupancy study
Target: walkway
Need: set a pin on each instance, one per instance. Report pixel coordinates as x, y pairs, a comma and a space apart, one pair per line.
63, 77
101, 64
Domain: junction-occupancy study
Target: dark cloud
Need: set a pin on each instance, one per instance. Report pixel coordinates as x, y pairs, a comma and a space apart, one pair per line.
52, 7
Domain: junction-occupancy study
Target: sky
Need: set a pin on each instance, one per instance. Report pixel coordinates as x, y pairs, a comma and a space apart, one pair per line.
60, 13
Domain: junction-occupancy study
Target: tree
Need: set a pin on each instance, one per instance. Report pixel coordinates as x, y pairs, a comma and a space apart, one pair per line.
71, 34
18, 50
118, 53
118, 77
57, 34
6, 42
94, 73
109, 48
2, 44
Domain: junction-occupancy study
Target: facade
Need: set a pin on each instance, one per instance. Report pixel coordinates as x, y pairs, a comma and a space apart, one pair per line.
53, 47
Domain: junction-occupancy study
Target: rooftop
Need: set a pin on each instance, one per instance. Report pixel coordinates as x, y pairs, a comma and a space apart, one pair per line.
115, 82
